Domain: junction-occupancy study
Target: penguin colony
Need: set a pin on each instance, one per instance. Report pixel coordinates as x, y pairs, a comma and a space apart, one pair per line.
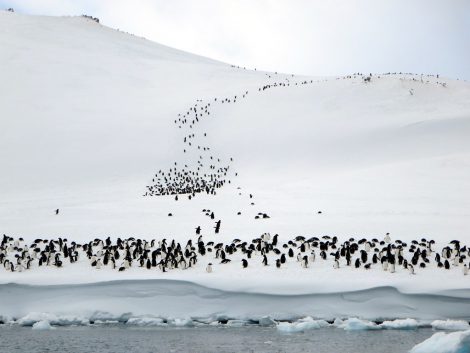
164, 255
209, 172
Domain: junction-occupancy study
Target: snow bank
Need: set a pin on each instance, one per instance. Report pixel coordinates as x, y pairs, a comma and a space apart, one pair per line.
183, 303
400, 324
43, 325
301, 325
455, 342
451, 325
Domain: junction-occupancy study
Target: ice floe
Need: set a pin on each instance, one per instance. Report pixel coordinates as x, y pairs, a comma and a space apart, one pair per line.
455, 342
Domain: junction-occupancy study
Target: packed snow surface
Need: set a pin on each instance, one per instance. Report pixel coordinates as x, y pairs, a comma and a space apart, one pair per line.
89, 115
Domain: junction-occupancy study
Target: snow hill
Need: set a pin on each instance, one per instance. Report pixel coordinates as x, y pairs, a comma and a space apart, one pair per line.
87, 118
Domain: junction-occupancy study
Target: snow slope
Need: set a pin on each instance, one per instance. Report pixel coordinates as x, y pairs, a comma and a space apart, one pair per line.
87, 118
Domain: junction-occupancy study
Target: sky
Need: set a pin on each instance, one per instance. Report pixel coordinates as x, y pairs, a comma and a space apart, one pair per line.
328, 37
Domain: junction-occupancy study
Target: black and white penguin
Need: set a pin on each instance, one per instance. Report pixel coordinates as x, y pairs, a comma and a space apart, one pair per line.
265, 260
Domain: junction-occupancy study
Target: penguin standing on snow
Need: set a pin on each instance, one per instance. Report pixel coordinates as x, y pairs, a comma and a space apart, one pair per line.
209, 268
387, 238
244, 263
265, 260
217, 226
305, 261
312, 256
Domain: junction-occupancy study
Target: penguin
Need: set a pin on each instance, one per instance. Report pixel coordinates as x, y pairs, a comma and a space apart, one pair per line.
278, 263
265, 260
209, 268
336, 264
305, 261
387, 238
290, 252
56, 212
312, 256
465, 270
446, 265
244, 263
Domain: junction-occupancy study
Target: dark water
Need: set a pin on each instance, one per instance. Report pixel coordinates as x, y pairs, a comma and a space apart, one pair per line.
122, 339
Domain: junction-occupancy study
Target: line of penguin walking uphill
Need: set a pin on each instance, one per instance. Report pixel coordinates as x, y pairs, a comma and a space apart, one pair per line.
165, 255
205, 172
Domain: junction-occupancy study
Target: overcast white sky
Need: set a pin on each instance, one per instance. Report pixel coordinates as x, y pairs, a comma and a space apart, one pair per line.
312, 37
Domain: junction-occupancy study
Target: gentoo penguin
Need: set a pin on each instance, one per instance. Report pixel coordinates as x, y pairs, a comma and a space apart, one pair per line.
57, 212
336, 264
411, 269
244, 263
209, 268
465, 270
391, 268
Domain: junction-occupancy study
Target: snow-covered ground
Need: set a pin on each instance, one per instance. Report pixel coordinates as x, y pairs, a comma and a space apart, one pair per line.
87, 117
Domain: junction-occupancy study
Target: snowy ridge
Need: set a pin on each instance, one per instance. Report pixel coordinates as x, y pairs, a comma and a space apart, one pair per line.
167, 300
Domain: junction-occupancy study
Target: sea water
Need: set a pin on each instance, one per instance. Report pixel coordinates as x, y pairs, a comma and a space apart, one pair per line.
119, 338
